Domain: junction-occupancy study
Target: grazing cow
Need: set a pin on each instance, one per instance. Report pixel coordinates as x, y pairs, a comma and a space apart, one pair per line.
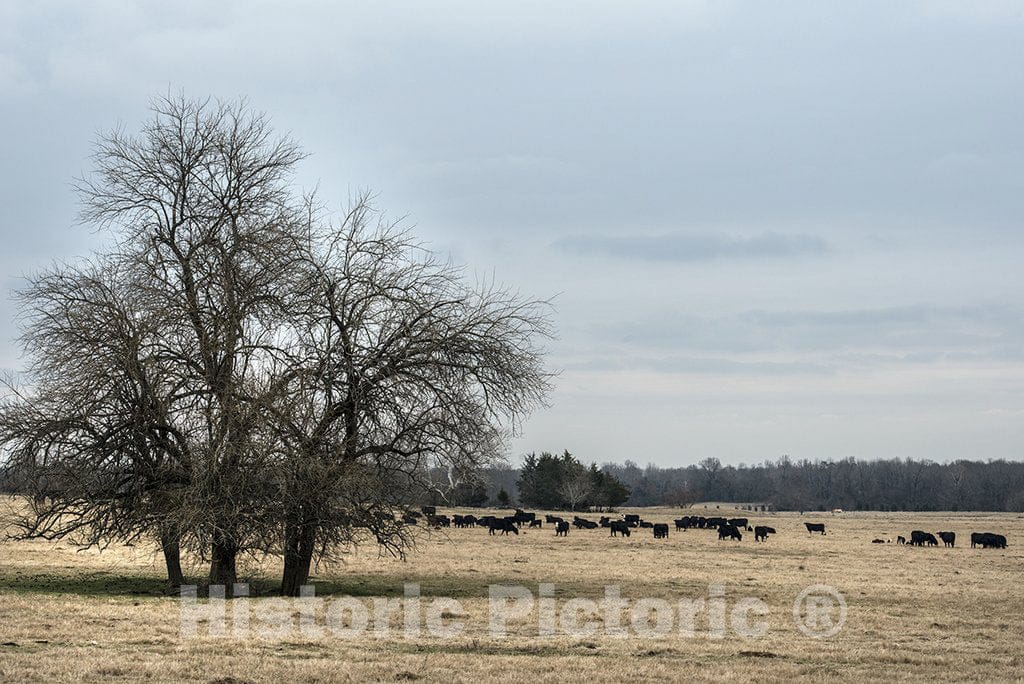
815, 527
901, 540
485, 520
738, 522
438, 521
948, 539
661, 531
459, 520
561, 529
761, 532
645, 524
503, 525
730, 532
714, 523
682, 523
552, 519
919, 538
632, 520
428, 510
619, 527
536, 522
988, 540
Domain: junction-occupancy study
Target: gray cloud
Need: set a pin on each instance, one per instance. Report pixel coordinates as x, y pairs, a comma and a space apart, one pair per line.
683, 246
843, 183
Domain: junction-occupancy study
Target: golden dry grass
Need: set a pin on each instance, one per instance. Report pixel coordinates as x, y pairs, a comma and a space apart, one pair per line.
913, 614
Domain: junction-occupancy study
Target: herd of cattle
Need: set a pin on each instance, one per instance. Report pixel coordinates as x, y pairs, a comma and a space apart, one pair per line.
727, 528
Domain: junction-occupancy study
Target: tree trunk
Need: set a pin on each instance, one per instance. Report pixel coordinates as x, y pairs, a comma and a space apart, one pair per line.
223, 555
298, 556
170, 542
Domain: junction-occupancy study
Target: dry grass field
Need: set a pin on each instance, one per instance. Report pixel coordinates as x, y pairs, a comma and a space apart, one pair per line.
912, 613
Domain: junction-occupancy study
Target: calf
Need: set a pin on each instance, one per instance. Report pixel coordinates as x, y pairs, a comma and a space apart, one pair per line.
619, 527
729, 532
646, 525
815, 527
661, 531
561, 529
536, 522
761, 532
901, 540
948, 539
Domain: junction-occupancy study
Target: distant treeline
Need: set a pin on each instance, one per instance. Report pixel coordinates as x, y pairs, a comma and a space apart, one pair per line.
784, 484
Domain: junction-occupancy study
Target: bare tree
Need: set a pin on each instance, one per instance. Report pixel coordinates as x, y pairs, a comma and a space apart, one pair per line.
93, 444
576, 488
240, 374
398, 366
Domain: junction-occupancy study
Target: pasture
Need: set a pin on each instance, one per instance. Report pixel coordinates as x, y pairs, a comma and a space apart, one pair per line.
912, 613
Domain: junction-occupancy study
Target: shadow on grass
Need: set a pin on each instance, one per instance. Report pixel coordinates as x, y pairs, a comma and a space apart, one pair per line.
83, 584
111, 584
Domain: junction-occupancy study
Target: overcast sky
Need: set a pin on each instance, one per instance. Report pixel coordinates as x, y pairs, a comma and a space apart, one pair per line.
773, 228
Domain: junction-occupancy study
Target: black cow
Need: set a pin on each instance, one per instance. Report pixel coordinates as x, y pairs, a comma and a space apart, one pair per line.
815, 527
522, 517
632, 520
438, 520
919, 538
536, 522
605, 521
503, 525
583, 523
901, 540
761, 532
728, 531
682, 523
646, 525
988, 540
552, 519
877, 541
410, 519
619, 527
661, 531
738, 522
561, 529
428, 510
948, 539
